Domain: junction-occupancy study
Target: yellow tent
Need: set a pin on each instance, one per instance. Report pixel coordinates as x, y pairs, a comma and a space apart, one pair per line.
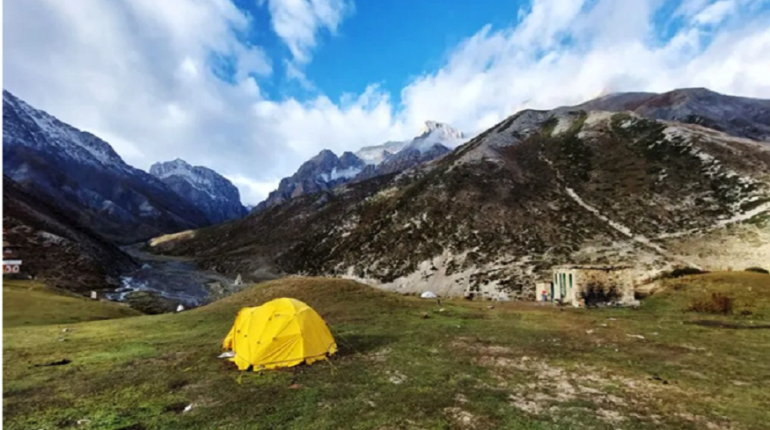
280, 333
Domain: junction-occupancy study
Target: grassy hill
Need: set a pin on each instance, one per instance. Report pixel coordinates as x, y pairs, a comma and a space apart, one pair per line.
31, 303
406, 364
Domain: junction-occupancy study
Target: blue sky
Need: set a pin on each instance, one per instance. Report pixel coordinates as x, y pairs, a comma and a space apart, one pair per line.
252, 88
385, 45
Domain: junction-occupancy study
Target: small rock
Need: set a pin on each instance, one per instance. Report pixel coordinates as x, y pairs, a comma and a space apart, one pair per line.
490, 307
188, 408
425, 315
637, 336
83, 421
603, 325
442, 310
295, 386
65, 330
396, 378
589, 331
61, 339
655, 333
612, 319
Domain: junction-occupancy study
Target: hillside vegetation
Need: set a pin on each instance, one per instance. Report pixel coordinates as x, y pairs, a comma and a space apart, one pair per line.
406, 363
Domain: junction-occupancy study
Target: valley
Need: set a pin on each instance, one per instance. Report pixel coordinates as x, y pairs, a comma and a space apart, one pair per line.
654, 190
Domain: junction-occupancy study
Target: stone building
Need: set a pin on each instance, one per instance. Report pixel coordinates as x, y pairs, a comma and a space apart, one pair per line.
587, 285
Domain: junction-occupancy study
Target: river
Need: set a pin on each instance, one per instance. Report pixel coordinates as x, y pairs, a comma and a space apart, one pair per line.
174, 278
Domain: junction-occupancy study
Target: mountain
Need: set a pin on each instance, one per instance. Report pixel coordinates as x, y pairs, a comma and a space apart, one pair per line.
206, 189
376, 154
57, 249
433, 133
322, 172
540, 188
81, 174
326, 171
737, 116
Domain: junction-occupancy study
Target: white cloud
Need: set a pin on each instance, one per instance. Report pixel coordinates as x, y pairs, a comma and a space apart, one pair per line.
298, 22
253, 191
138, 73
612, 47
715, 13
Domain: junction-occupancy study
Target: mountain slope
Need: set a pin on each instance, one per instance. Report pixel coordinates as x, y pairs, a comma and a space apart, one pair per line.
83, 175
57, 249
540, 188
206, 189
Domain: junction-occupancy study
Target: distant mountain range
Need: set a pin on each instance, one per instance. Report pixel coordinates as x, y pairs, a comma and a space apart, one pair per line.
326, 171
209, 191
84, 177
651, 183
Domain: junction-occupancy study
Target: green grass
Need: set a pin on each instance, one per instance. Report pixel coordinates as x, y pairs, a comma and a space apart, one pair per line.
30, 303
516, 365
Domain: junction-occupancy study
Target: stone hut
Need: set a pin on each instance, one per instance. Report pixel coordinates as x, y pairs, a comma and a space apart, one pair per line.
588, 285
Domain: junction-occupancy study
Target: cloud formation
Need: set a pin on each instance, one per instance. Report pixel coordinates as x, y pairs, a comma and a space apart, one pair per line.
160, 80
299, 22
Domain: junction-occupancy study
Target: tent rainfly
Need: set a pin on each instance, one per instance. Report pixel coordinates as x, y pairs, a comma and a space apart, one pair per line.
281, 333
428, 295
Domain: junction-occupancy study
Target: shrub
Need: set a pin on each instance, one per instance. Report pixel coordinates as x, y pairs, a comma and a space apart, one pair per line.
757, 270
683, 271
717, 304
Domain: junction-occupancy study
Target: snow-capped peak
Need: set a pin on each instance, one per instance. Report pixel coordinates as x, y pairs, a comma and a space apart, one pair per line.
432, 133
52, 133
198, 176
177, 167
437, 133
211, 192
441, 130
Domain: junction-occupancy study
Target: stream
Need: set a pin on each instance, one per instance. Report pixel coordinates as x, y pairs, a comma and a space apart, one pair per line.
174, 278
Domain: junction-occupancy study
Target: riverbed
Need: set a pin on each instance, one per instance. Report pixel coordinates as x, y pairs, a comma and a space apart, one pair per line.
173, 278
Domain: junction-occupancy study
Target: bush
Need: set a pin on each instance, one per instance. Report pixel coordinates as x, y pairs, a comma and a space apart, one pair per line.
757, 270
717, 304
683, 271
